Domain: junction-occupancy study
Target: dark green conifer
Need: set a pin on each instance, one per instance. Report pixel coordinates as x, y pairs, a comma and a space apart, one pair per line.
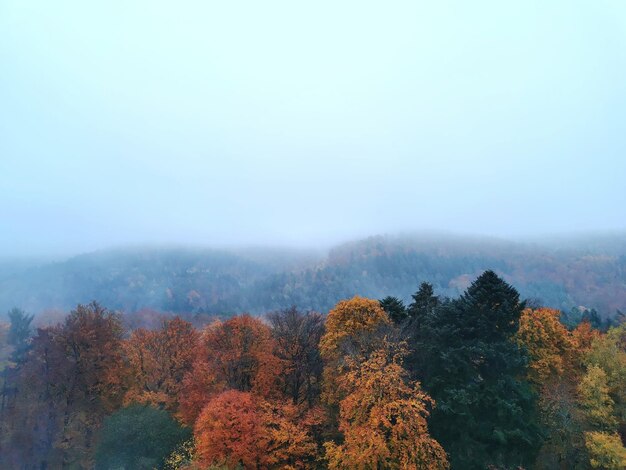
395, 308
485, 414
424, 303
19, 333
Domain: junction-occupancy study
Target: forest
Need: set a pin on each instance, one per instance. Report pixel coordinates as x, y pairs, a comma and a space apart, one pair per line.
572, 274
483, 380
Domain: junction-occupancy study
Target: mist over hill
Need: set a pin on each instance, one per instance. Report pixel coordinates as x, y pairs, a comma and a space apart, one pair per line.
563, 273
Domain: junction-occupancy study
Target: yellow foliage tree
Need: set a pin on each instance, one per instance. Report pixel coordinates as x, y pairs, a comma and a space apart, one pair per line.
351, 329
550, 345
605, 450
595, 399
383, 418
609, 353
555, 369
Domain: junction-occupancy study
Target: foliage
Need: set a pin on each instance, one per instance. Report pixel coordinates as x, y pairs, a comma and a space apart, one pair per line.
395, 309
158, 361
216, 282
352, 328
383, 418
424, 303
514, 387
182, 456
549, 344
474, 369
236, 354
19, 333
606, 450
297, 336
595, 399
609, 353
235, 428
138, 437
554, 370
69, 380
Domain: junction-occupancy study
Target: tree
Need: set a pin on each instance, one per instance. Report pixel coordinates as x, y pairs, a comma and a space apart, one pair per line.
584, 335
15, 342
424, 303
236, 428
595, 399
237, 354
138, 437
297, 336
69, 380
158, 361
395, 308
606, 450
32, 419
19, 333
287, 435
353, 327
91, 340
474, 369
551, 349
602, 397
228, 430
608, 351
554, 370
383, 417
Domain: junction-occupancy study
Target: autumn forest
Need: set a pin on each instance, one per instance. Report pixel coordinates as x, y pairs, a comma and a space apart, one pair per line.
486, 380
312, 235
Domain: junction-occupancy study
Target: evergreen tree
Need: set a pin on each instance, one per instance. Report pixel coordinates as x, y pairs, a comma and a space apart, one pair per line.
474, 370
394, 307
19, 333
424, 303
592, 317
139, 437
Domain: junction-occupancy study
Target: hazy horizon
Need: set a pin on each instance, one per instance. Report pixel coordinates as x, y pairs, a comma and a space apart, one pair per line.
307, 125
584, 241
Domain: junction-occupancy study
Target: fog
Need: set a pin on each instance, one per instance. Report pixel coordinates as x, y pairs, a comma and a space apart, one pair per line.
285, 123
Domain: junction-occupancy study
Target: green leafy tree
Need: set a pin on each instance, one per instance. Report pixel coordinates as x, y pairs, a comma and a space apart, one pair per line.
138, 437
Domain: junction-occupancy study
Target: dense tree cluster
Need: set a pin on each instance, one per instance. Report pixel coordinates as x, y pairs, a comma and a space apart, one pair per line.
587, 274
482, 381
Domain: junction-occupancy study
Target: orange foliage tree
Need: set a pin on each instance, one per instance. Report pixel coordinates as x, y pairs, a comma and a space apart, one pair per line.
237, 354
158, 361
383, 417
353, 327
584, 335
239, 429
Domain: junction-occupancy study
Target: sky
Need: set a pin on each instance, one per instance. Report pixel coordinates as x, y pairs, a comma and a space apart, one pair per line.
304, 123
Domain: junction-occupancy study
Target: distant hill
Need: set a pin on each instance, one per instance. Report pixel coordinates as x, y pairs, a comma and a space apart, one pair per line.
562, 273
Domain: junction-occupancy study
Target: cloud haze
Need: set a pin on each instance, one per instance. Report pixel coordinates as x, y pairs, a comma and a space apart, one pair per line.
284, 122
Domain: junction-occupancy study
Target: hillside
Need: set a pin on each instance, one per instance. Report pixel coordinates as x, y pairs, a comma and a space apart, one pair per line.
560, 273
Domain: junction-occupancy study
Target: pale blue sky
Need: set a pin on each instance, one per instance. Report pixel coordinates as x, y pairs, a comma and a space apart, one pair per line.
307, 122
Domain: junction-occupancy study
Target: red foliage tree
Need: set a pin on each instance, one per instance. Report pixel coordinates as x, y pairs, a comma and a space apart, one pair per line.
237, 354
